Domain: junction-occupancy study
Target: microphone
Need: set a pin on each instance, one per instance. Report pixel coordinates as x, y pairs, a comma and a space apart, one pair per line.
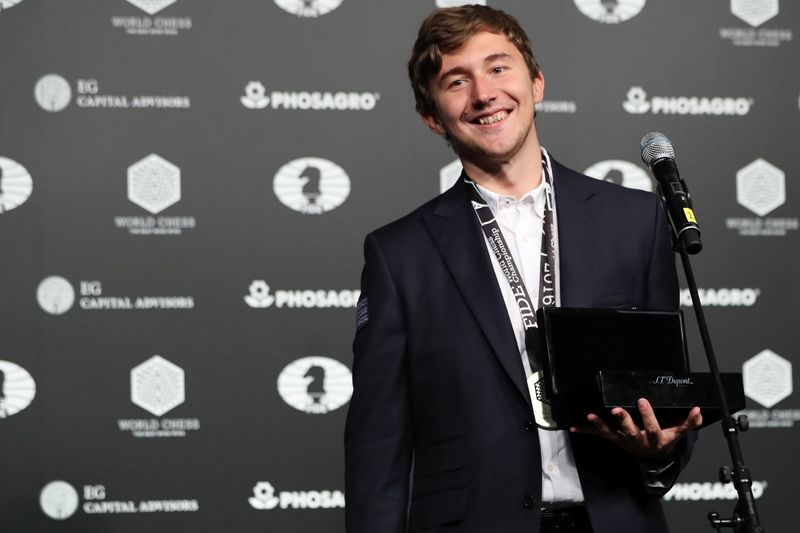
659, 155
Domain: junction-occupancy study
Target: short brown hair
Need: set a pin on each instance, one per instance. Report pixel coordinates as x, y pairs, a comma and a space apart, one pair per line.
445, 31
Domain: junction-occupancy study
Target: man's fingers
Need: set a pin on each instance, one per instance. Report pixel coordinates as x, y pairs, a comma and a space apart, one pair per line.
652, 428
601, 427
626, 425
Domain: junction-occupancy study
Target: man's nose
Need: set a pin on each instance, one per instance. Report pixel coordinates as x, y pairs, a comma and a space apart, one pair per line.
483, 92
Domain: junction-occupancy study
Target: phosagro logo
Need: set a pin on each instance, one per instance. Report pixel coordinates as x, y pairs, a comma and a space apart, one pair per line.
261, 298
52, 93
610, 11
55, 295
308, 8
311, 185
265, 498
255, 97
59, 500
17, 389
637, 103
16, 184
315, 385
710, 491
722, 297
622, 173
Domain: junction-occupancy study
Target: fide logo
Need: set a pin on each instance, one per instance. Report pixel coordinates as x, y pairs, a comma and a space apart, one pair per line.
311, 185
59, 500
52, 93
308, 8
315, 385
17, 389
622, 173
55, 295
610, 11
151, 7
16, 184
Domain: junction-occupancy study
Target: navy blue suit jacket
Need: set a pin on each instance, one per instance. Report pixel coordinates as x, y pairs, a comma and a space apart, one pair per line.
436, 436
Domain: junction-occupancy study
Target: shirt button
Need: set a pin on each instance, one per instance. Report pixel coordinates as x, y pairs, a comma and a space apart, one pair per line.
550, 467
528, 501
529, 426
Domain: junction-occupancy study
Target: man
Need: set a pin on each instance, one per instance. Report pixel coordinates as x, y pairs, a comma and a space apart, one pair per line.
440, 433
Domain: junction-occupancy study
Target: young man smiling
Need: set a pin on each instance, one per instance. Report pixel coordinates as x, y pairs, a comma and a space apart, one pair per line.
445, 431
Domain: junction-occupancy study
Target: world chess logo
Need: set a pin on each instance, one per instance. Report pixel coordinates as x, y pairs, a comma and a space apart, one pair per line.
151, 7
755, 12
52, 93
308, 8
455, 3
767, 378
55, 295
315, 385
311, 185
610, 11
59, 500
761, 187
16, 184
622, 173
255, 96
5, 4
157, 385
154, 183
17, 389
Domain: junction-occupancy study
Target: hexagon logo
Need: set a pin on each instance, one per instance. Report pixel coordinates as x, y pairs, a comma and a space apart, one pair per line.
157, 385
449, 174
760, 187
154, 183
5, 4
755, 12
767, 378
151, 7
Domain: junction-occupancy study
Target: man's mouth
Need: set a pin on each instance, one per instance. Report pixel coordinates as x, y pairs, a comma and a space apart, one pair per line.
491, 119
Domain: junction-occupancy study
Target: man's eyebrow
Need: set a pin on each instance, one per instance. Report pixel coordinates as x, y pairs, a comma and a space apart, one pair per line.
463, 70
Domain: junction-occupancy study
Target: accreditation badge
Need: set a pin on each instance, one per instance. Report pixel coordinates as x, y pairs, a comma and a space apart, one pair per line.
542, 407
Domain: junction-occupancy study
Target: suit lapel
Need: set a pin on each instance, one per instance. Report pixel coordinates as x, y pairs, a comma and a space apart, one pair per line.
580, 227
454, 229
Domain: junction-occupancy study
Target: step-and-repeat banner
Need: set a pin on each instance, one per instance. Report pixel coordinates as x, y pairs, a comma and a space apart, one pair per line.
184, 190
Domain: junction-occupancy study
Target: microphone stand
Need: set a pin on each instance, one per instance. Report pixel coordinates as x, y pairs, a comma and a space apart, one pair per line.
745, 517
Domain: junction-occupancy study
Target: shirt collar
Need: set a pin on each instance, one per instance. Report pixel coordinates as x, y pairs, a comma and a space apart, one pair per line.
499, 202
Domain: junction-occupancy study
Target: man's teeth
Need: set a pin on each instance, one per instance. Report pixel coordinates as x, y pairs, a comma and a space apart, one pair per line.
497, 117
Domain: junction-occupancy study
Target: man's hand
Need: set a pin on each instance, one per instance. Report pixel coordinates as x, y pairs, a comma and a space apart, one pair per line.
650, 443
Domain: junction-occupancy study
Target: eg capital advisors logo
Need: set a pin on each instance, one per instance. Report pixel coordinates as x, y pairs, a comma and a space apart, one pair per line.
59, 500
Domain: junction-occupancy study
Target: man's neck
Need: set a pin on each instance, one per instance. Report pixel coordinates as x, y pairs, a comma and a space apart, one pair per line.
515, 177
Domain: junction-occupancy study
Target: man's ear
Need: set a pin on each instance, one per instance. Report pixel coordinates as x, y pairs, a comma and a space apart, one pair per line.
433, 123
538, 87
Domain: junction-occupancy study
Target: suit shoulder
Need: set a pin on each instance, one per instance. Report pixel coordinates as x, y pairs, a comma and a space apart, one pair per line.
613, 191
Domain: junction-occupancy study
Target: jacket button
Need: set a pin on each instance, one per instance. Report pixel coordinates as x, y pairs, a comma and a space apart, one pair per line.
529, 426
528, 501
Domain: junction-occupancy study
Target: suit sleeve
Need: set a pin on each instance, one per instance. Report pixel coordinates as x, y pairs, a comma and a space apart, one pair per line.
378, 440
663, 294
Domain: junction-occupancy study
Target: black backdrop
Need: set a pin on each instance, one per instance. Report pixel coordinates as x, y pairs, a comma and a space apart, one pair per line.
185, 188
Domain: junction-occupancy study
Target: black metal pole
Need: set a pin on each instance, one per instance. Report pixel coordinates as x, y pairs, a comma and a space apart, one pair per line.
745, 516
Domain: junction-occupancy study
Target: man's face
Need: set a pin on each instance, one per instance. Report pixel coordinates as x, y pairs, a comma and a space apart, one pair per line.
485, 99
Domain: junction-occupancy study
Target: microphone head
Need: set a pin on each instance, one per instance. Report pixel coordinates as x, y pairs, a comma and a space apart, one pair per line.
655, 146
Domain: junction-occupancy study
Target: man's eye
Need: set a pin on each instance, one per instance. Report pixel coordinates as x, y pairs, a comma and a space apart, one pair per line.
498, 70
457, 83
